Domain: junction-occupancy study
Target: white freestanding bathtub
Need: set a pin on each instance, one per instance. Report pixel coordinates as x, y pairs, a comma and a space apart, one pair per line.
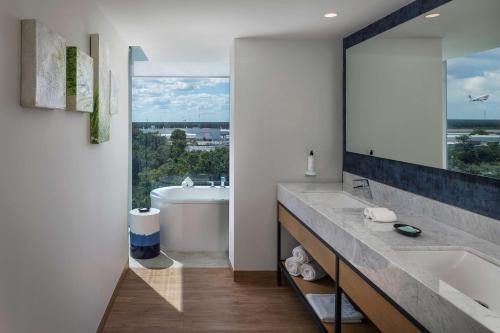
193, 219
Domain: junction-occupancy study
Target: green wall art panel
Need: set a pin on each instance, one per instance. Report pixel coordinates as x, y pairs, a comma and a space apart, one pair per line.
100, 117
79, 80
43, 67
113, 94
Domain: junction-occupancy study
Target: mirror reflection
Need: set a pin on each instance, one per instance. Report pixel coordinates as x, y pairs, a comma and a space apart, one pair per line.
428, 91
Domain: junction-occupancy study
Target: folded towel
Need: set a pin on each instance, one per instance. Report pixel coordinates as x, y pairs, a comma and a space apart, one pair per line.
188, 182
324, 306
312, 271
383, 215
301, 254
293, 266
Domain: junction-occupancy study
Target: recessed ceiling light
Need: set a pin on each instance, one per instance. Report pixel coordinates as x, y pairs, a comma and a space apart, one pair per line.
330, 15
432, 15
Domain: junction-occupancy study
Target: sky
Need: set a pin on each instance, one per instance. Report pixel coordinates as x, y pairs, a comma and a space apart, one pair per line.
170, 99
477, 74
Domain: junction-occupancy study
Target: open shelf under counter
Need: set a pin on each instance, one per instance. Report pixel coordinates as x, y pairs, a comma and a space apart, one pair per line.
325, 285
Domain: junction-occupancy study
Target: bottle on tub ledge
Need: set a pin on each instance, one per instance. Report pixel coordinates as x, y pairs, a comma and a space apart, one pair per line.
310, 165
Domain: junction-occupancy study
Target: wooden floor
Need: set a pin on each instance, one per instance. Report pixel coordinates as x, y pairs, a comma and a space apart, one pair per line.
203, 300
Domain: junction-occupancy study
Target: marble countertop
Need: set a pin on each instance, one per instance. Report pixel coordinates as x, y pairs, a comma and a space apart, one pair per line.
375, 250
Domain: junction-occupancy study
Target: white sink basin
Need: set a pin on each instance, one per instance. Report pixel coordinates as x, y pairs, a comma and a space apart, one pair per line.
471, 275
333, 199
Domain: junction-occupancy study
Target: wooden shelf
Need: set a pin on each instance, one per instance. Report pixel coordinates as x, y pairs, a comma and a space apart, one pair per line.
319, 251
325, 285
387, 317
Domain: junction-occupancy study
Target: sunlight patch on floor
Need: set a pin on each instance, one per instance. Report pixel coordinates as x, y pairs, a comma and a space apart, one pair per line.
167, 283
164, 273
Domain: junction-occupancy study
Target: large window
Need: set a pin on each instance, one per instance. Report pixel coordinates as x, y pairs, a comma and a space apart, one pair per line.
473, 95
180, 128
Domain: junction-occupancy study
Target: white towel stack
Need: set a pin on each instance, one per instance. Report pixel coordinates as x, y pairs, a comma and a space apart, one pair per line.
294, 263
301, 254
324, 306
380, 214
312, 271
293, 266
301, 263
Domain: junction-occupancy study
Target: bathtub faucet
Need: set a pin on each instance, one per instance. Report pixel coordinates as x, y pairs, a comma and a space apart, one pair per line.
222, 181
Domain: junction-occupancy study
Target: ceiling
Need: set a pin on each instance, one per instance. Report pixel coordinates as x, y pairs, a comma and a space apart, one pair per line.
201, 31
464, 26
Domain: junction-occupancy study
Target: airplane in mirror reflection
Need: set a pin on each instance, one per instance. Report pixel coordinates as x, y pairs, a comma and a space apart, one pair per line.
482, 98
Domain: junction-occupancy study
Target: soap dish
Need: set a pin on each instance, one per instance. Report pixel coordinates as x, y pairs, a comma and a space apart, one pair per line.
407, 230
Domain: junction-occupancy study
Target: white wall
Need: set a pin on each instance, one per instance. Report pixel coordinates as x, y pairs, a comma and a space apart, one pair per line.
63, 201
286, 100
395, 90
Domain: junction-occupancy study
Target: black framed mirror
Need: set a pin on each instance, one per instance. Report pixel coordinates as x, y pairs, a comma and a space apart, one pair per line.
422, 102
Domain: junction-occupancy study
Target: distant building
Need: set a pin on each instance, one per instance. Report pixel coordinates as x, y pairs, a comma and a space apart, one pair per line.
188, 135
200, 148
476, 139
205, 133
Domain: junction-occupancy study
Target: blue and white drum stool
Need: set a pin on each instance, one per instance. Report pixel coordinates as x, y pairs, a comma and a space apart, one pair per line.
144, 233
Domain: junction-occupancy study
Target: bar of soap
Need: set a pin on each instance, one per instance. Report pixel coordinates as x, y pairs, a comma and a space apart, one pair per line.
407, 228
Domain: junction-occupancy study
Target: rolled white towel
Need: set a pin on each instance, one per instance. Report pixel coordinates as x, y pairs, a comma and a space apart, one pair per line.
324, 306
380, 214
301, 254
293, 266
312, 271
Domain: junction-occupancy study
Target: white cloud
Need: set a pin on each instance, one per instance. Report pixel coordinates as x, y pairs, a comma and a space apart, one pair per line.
473, 85
489, 83
179, 99
476, 74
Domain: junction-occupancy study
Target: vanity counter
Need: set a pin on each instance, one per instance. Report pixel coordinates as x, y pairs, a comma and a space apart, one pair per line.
374, 249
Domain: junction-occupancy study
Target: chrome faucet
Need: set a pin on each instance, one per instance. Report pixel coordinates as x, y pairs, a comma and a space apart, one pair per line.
222, 182
363, 184
212, 183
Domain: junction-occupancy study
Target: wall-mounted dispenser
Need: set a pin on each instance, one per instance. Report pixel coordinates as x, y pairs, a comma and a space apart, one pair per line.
310, 165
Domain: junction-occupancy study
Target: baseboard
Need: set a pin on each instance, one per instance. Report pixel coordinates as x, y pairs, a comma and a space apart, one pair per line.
105, 316
255, 277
